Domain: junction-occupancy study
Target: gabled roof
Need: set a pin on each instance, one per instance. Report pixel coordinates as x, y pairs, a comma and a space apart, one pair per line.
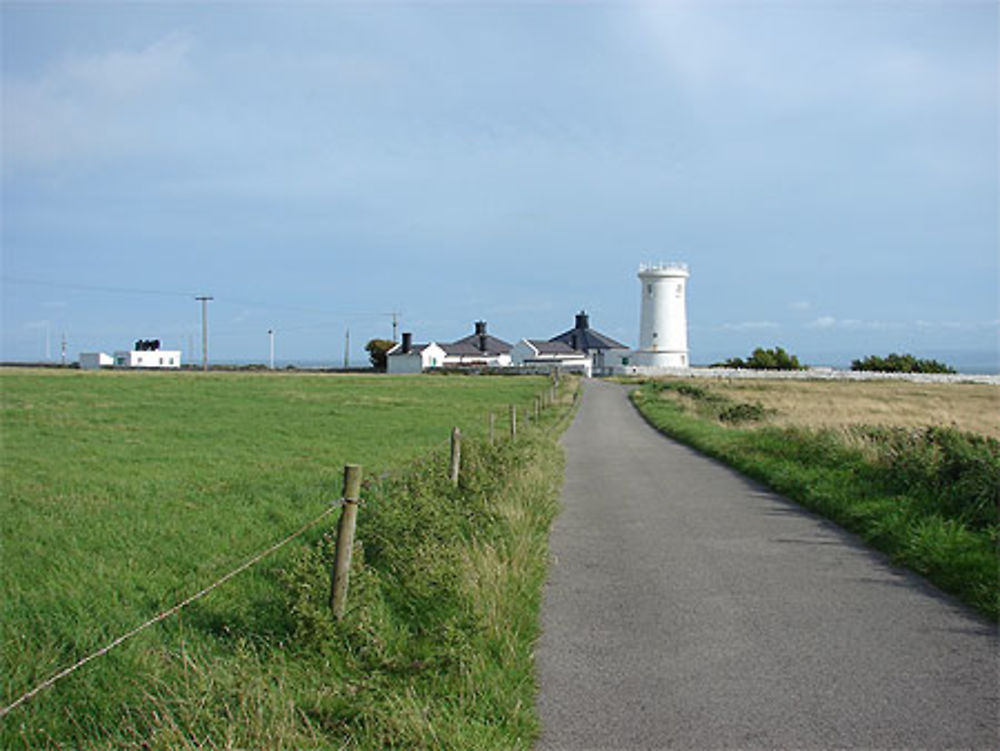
470, 346
415, 349
584, 338
553, 347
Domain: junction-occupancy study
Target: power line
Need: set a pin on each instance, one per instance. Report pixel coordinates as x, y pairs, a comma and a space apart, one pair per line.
175, 293
91, 287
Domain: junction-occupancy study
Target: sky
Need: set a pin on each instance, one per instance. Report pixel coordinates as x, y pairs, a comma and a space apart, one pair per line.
827, 169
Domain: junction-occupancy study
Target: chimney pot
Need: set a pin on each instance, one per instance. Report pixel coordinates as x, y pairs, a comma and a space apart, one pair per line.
407, 342
582, 320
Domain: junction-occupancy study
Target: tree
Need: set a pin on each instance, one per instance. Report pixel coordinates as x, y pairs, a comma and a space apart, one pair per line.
764, 359
896, 363
377, 350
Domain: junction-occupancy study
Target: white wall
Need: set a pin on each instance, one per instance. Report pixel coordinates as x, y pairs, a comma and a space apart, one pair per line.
522, 351
431, 356
95, 360
398, 364
157, 358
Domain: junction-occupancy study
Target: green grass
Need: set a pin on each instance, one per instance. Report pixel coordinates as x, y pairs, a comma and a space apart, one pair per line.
928, 497
122, 493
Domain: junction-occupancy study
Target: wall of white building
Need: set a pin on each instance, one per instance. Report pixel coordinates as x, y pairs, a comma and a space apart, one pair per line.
156, 358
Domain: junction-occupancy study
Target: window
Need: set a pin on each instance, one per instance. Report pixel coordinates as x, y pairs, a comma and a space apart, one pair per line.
649, 290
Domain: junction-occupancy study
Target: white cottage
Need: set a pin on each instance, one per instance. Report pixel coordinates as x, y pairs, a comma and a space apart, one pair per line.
538, 353
148, 358
478, 350
407, 357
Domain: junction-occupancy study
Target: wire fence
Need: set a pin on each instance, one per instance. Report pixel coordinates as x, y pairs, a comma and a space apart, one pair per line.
163, 615
48, 682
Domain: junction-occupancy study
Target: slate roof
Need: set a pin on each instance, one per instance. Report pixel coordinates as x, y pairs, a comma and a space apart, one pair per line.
553, 347
584, 338
415, 349
469, 346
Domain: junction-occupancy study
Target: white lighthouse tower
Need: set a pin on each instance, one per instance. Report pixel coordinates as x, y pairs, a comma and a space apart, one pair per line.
663, 322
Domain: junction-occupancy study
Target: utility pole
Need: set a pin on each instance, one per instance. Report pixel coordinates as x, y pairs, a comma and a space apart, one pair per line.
204, 330
64, 350
347, 349
395, 327
270, 334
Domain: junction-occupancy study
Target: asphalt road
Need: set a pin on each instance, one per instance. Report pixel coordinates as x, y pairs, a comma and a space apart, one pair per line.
687, 607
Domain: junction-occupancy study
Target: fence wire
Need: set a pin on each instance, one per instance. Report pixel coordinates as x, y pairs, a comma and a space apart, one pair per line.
169, 612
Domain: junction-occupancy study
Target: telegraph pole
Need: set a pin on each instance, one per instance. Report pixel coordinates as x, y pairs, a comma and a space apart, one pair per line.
204, 330
347, 349
270, 334
64, 350
395, 327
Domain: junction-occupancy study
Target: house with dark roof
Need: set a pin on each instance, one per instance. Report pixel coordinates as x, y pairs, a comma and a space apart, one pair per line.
539, 353
407, 357
604, 351
478, 349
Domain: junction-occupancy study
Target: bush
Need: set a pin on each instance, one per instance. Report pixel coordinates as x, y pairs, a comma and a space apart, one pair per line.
764, 359
896, 363
743, 412
378, 350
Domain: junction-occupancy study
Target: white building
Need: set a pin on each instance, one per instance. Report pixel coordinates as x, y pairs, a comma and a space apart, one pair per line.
478, 350
95, 360
538, 353
407, 357
605, 353
148, 358
663, 319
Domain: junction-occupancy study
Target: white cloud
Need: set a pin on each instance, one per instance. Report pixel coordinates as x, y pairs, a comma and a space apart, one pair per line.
89, 106
128, 73
823, 322
749, 325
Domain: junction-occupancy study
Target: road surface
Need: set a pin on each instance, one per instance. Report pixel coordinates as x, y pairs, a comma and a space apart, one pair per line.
687, 607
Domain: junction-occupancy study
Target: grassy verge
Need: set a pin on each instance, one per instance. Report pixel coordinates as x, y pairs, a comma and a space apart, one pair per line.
926, 496
124, 493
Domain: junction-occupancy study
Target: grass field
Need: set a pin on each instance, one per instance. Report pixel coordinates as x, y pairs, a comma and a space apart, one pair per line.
902, 465
831, 404
124, 492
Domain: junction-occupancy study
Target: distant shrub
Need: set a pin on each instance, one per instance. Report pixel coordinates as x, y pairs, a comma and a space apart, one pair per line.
896, 363
378, 350
764, 359
711, 403
743, 412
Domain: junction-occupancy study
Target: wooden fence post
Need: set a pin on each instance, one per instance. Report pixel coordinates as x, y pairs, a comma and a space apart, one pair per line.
456, 455
345, 540
538, 408
513, 421
492, 425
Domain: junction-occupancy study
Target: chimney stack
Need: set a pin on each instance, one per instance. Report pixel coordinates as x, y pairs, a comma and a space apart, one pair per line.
582, 320
481, 333
407, 342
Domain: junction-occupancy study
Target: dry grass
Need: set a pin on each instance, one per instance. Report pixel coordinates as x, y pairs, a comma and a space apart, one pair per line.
968, 407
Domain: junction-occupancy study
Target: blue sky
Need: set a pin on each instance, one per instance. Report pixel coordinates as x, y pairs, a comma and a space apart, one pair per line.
828, 170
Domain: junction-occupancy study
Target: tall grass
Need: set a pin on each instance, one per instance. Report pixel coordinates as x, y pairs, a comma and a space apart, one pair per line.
124, 492
928, 496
